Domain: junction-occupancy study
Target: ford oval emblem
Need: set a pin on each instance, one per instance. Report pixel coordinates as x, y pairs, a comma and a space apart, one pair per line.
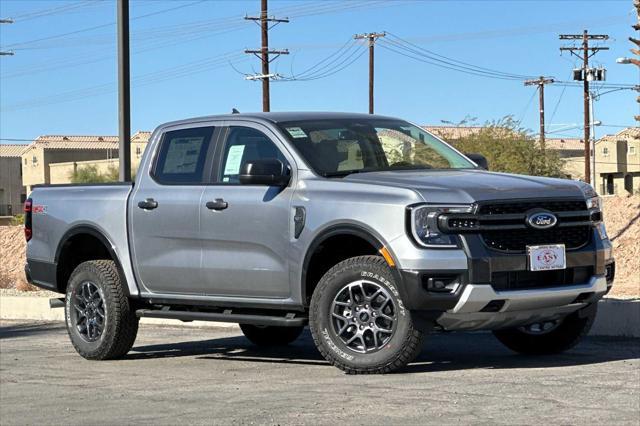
542, 220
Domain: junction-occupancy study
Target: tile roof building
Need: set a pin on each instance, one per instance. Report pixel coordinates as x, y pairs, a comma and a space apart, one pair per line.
12, 193
44, 155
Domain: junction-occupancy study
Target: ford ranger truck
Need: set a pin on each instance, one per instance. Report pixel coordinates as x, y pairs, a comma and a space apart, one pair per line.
368, 229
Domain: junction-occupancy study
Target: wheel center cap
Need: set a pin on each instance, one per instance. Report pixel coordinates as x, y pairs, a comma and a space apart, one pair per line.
364, 316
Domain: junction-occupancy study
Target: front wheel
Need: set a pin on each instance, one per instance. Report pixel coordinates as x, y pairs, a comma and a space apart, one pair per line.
549, 337
358, 321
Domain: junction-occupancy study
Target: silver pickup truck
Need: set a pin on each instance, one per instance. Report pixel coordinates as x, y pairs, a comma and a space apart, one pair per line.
367, 228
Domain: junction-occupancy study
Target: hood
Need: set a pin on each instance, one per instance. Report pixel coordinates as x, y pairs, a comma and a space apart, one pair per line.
467, 186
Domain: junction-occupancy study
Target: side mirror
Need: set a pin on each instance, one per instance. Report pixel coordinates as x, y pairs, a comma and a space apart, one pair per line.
270, 171
479, 159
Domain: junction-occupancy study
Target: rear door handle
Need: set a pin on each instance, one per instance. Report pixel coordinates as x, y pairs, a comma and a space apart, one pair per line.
148, 204
218, 204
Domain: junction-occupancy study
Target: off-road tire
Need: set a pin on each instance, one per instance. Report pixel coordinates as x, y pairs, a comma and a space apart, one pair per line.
568, 333
120, 323
405, 343
270, 335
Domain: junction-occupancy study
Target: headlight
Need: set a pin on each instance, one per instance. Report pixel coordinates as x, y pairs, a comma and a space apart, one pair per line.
594, 203
424, 224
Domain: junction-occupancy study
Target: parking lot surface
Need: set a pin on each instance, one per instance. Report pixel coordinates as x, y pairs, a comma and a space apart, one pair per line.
215, 376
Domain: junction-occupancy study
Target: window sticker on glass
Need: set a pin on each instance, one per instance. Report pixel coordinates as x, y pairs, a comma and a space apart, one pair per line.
296, 132
182, 156
234, 158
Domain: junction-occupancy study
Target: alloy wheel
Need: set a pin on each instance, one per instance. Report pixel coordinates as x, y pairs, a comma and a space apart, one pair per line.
363, 316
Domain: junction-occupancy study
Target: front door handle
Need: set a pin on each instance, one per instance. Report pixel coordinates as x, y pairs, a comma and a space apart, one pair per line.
148, 204
218, 204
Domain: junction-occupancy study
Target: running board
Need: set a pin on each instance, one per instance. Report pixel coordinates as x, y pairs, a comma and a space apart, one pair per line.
56, 302
288, 320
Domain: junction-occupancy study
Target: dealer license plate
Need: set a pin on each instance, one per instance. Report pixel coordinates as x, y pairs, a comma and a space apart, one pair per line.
546, 258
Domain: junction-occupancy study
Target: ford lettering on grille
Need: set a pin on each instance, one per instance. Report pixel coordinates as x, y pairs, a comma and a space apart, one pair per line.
542, 220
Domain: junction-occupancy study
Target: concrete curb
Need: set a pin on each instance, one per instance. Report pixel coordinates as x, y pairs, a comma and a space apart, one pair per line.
616, 317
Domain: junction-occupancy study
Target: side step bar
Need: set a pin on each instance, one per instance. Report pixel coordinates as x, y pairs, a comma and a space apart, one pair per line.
56, 303
289, 320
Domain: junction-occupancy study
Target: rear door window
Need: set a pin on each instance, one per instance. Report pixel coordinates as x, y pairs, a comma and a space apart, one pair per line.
183, 156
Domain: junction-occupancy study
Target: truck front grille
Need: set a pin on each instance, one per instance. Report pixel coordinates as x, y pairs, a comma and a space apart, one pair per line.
528, 280
526, 205
573, 229
516, 240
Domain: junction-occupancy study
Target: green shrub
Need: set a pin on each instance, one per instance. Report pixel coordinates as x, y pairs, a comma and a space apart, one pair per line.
17, 220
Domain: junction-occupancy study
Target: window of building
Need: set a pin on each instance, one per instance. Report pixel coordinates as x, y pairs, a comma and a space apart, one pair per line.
138, 151
605, 151
183, 155
25, 161
632, 150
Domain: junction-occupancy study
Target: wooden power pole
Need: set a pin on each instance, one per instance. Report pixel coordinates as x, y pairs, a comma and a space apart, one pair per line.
540, 82
585, 75
371, 37
264, 52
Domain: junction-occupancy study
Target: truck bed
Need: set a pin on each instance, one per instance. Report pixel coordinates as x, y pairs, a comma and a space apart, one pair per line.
59, 211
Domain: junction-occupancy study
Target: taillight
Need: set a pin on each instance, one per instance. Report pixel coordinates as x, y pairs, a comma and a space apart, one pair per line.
27, 219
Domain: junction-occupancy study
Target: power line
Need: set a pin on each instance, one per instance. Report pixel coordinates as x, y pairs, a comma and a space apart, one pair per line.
451, 61
56, 36
324, 72
337, 54
526, 108
417, 55
54, 10
175, 72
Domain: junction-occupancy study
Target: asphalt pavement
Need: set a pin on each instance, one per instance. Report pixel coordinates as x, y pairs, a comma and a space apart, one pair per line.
215, 376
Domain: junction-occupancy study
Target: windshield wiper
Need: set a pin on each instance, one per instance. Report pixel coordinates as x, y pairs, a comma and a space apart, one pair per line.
343, 173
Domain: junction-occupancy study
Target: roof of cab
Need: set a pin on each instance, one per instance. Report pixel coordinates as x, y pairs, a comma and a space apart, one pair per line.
277, 117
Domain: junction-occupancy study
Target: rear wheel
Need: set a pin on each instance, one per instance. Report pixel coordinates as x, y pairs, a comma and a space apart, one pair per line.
358, 320
100, 320
549, 337
268, 335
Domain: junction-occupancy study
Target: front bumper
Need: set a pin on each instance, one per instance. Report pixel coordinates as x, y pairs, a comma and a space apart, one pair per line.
473, 303
513, 308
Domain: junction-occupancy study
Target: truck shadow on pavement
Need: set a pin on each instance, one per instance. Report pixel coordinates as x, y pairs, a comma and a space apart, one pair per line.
456, 351
30, 329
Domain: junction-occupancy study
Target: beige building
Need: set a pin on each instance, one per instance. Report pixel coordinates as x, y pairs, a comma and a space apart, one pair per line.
452, 133
52, 159
12, 192
571, 151
618, 162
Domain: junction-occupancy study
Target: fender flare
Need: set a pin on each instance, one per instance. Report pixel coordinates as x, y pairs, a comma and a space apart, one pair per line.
99, 235
339, 229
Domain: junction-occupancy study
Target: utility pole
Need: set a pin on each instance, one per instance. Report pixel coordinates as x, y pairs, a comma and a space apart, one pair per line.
371, 37
540, 82
6, 21
593, 141
264, 52
124, 91
586, 75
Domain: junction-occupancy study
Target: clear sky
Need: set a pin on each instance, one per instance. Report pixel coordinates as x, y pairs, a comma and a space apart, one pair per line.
62, 78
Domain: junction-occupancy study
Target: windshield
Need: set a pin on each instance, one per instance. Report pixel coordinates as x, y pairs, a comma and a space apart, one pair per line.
344, 146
